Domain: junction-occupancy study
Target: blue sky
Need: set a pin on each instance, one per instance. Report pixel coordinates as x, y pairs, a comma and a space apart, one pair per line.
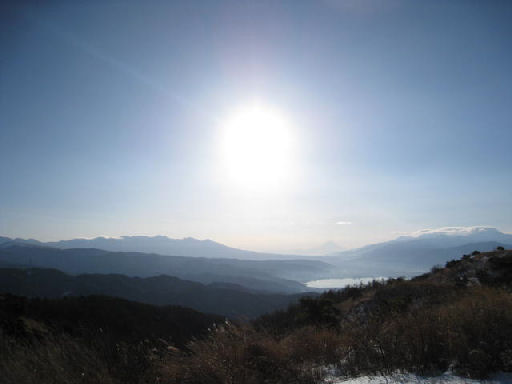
111, 112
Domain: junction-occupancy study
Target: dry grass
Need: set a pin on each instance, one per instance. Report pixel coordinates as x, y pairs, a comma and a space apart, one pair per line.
53, 361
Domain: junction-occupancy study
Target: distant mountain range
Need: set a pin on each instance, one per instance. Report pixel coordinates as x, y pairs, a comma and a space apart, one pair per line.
456, 236
207, 261
162, 245
416, 253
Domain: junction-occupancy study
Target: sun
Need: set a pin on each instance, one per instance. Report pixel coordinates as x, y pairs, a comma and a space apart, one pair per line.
257, 147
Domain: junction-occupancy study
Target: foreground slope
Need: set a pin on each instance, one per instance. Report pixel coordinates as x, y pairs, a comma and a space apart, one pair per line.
90, 340
458, 316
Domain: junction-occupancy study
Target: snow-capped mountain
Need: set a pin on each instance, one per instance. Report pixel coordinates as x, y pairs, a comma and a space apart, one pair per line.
419, 251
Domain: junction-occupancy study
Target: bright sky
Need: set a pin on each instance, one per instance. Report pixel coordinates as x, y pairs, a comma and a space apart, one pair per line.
378, 118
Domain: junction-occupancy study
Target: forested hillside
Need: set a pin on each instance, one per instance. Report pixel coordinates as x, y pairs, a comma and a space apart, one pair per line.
228, 300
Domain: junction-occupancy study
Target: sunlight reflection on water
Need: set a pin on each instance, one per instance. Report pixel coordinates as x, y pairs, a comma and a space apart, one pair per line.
340, 283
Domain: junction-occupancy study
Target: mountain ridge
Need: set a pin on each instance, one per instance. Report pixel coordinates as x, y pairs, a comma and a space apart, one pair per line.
163, 245
225, 300
265, 275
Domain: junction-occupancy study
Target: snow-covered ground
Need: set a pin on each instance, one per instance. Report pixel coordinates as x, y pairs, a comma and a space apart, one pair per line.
414, 379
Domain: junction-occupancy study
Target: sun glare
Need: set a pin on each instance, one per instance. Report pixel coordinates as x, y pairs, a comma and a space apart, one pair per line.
257, 146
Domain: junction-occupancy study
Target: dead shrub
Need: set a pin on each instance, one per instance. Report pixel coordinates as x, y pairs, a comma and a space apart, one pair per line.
239, 355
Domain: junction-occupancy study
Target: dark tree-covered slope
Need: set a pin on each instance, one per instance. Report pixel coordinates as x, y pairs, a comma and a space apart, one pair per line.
227, 300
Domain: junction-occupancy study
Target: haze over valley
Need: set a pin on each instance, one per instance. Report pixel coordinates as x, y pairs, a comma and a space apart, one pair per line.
209, 262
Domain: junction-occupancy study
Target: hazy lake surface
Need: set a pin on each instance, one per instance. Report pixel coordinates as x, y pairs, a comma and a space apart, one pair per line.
340, 283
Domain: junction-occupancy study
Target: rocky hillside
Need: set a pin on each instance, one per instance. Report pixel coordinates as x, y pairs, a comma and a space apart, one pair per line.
478, 268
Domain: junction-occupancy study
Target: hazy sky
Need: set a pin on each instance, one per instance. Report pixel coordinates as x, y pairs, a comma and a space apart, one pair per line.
112, 113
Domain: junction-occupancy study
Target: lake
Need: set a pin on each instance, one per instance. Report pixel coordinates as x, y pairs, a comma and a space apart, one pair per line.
340, 283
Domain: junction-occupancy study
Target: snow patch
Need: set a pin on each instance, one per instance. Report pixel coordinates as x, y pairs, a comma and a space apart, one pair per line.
408, 378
